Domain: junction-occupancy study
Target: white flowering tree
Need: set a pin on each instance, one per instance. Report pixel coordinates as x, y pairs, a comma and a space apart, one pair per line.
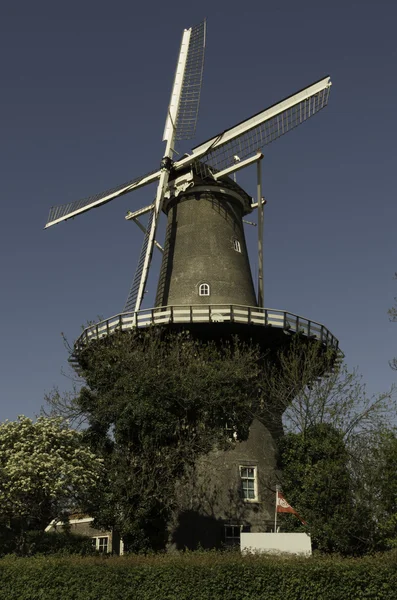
45, 468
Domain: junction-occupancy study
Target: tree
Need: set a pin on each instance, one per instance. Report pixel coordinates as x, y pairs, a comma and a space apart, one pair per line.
317, 481
385, 456
45, 468
154, 402
312, 387
375, 485
393, 317
330, 455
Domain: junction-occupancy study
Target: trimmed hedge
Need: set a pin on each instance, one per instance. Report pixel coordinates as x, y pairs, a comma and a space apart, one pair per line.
198, 576
43, 542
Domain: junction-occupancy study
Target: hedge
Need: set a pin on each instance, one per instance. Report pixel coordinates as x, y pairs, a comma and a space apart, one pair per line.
198, 576
43, 542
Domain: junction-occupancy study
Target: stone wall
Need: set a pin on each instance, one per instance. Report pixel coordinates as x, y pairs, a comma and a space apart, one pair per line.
211, 498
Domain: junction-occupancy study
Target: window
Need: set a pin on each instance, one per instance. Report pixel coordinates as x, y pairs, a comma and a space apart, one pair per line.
101, 544
232, 535
204, 289
249, 485
237, 245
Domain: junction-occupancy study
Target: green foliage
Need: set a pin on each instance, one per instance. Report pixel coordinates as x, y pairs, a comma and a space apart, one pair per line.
386, 457
375, 484
154, 403
199, 576
42, 542
317, 482
44, 467
160, 389
334, 457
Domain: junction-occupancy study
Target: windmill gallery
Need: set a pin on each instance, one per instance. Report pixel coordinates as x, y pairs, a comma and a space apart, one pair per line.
208, 289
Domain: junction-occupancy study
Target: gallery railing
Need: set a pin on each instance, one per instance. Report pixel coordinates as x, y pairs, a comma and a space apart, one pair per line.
208, 313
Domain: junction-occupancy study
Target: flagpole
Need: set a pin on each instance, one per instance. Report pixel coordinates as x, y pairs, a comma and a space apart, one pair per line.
275, 512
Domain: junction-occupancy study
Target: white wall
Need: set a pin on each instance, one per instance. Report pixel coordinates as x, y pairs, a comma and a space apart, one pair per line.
276, 543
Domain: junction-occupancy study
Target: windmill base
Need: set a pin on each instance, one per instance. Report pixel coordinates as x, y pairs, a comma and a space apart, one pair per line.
213, 507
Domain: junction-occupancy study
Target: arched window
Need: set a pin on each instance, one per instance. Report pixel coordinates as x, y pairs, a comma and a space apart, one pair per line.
237, 245
204, 289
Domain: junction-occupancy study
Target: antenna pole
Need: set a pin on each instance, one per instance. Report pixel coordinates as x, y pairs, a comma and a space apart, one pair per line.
260, 233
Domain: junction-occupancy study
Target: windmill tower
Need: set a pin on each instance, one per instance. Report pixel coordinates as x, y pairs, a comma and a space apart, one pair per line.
205, 282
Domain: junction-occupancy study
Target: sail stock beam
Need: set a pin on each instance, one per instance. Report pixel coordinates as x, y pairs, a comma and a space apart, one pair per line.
64, 212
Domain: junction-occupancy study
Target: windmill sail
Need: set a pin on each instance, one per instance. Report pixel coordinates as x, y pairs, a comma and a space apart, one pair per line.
215, 155
186, 120
67, 211
251, 135
133, 293
192, 39
185, 96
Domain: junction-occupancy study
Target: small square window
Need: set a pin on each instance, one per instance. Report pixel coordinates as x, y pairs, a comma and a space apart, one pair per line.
204, 289
249, 485
237, 245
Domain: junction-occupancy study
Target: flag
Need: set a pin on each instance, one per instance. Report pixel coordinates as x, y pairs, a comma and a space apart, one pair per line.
282, 506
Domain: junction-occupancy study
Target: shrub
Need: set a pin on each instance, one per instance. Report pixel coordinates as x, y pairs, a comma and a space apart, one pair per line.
42, 542
198, 576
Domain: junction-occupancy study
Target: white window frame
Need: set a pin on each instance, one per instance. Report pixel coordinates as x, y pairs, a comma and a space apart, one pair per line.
98, 546
237, 245
247, 478
204, 289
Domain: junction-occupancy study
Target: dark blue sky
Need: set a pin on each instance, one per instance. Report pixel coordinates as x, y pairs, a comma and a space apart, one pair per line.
84, 94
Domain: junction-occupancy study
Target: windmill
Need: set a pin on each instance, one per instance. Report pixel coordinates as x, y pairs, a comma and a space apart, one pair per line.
205, 260
205, 283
